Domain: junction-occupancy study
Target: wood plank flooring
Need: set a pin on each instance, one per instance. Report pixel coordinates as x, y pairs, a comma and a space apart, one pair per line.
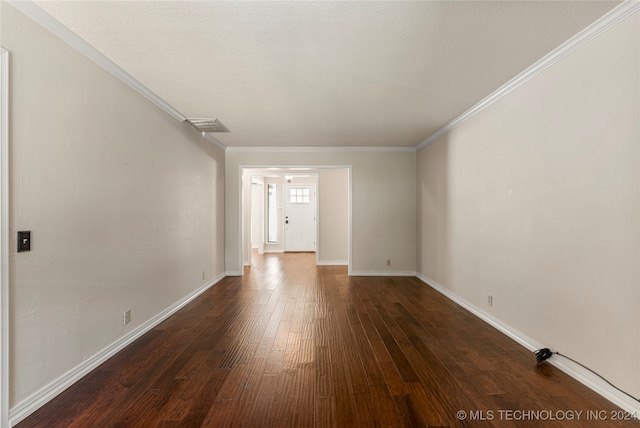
295, 345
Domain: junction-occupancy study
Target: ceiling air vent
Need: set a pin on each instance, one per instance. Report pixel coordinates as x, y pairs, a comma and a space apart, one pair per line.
208, 124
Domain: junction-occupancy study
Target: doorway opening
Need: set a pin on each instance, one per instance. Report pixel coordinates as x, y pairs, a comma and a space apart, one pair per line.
296, 209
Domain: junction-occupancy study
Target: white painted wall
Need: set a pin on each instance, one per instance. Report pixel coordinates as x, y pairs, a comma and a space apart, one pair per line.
535, 200
125, 206
383, 211
333, 195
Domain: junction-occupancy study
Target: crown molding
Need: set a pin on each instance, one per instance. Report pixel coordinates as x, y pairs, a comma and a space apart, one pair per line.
612, 18
40, 16
320, 149
213, 140
616, 15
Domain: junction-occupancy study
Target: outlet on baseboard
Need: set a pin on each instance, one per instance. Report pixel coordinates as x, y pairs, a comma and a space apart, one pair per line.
490, 300
126, 317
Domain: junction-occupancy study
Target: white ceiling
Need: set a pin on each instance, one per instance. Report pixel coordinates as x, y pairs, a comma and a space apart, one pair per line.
295, 74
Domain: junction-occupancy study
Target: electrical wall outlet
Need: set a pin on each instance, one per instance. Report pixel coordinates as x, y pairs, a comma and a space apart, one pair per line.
490, 300
126, 317
24, 241
388, 262
203, 276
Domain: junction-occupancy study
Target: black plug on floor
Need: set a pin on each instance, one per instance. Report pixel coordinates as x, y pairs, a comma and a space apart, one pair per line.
543, 354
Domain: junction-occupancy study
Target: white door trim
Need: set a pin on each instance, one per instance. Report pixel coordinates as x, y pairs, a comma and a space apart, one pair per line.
4, 237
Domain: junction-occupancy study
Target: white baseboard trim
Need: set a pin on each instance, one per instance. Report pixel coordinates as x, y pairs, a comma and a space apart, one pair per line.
246, 263
514, 334
50, 391
332, 263
382, 273
233, 273
574, 370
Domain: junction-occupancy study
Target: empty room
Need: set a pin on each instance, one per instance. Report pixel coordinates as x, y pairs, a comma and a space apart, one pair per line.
319, 213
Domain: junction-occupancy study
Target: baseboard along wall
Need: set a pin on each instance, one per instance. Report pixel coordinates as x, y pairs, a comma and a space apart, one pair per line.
50, 391
571, 368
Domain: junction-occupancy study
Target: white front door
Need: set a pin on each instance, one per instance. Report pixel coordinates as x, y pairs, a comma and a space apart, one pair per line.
300, 218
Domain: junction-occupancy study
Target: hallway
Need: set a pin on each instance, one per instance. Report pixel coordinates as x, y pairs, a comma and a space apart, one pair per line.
292, 344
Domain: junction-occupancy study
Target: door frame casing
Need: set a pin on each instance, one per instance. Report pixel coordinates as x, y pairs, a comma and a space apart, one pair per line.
4, 237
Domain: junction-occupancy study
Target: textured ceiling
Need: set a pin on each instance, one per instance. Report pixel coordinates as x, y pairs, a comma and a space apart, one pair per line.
289, 74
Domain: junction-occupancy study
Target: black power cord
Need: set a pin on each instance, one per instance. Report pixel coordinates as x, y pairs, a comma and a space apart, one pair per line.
546, 353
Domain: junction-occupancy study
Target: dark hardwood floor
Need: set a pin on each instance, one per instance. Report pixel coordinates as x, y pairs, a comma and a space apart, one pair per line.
294, 345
